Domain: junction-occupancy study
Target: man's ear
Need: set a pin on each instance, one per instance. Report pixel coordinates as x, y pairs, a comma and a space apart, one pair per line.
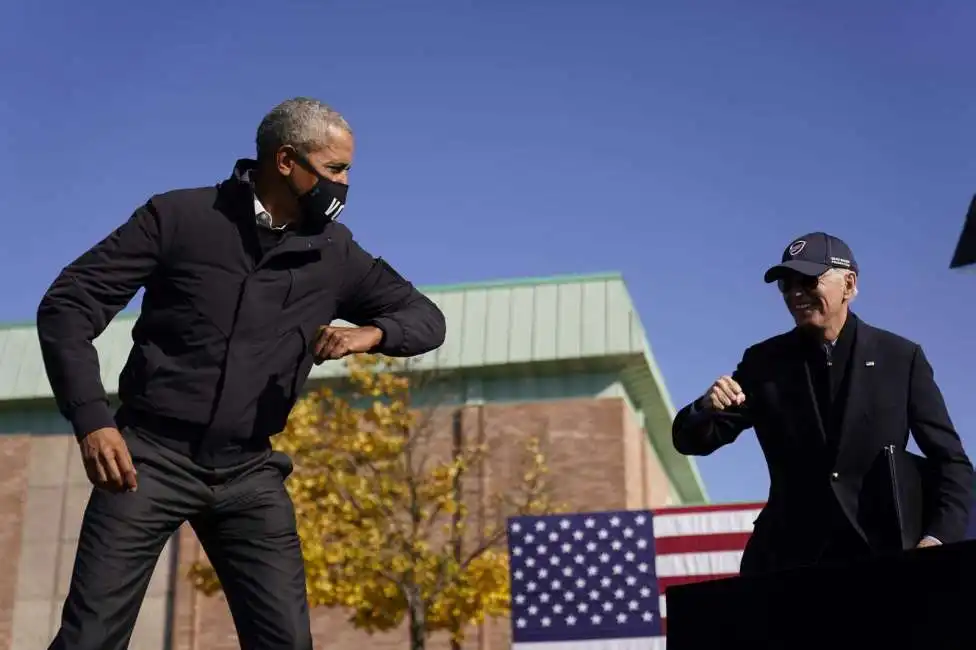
285, 160
850, 285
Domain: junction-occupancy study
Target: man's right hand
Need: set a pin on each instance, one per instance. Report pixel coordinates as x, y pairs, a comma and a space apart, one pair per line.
724, 393
107, 460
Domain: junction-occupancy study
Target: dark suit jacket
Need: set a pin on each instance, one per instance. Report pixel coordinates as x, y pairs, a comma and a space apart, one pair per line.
892, 392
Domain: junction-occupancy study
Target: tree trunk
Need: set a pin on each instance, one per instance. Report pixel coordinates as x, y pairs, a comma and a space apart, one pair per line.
418, 625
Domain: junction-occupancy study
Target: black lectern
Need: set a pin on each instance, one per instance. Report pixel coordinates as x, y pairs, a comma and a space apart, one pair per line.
921, 599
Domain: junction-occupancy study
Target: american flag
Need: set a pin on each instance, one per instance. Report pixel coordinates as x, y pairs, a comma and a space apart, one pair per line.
598, 580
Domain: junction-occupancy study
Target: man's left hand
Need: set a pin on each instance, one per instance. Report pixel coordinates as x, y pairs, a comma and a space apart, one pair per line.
928, 542
337, 342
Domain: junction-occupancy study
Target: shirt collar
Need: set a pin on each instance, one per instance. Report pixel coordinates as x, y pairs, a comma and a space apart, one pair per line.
261, 215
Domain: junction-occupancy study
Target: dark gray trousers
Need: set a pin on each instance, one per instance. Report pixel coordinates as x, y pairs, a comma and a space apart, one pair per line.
245, 521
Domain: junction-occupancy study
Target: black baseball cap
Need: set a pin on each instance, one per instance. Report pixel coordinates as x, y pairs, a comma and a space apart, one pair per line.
812, 255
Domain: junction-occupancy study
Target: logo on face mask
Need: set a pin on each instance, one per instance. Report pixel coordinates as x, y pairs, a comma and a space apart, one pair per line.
797, 247
335, 209
324, 202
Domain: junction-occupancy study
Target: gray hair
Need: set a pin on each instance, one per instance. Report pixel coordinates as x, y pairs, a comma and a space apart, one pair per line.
840, 274
303, 123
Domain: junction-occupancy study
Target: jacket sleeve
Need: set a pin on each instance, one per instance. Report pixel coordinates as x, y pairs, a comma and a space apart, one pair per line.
696, 432
375, 294
78, 307
936, 436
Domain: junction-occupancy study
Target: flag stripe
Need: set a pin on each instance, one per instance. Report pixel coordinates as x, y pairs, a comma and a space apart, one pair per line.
704, 523
697, 564
701, 543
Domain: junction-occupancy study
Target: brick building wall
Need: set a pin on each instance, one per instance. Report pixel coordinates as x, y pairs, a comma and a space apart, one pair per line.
14, 453
43, 493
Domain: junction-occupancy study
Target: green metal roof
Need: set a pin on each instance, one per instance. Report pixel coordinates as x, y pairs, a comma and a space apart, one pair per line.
570, 323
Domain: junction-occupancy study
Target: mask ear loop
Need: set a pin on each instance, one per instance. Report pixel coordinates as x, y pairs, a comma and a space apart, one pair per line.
336, 206
305, 163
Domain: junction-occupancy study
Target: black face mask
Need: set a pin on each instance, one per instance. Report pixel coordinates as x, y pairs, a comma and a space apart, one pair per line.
323, 203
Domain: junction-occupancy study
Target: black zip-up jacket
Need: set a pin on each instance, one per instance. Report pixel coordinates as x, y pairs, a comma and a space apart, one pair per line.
223, 344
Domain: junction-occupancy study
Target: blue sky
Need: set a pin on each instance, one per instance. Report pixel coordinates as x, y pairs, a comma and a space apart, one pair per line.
682, 143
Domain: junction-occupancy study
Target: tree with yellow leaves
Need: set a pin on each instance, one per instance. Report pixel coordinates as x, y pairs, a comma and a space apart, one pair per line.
386, 525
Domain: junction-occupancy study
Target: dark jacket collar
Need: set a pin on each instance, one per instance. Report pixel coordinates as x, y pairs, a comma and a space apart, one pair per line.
242, 167
237, 197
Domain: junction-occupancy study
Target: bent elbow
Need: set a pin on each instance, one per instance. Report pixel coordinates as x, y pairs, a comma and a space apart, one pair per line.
414, 331
431, 327
438, 327
432, 338
679, 439
691, 440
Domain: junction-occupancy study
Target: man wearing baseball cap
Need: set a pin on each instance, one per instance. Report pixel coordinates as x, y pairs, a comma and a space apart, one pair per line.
830, 401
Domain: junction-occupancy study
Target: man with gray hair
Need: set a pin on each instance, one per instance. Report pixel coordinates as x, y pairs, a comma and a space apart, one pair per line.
832, 402
242, 282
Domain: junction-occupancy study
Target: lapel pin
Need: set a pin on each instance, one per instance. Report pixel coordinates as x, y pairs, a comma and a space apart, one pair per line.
869, 363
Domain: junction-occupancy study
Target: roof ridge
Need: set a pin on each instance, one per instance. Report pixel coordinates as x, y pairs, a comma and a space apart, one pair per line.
521, 282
